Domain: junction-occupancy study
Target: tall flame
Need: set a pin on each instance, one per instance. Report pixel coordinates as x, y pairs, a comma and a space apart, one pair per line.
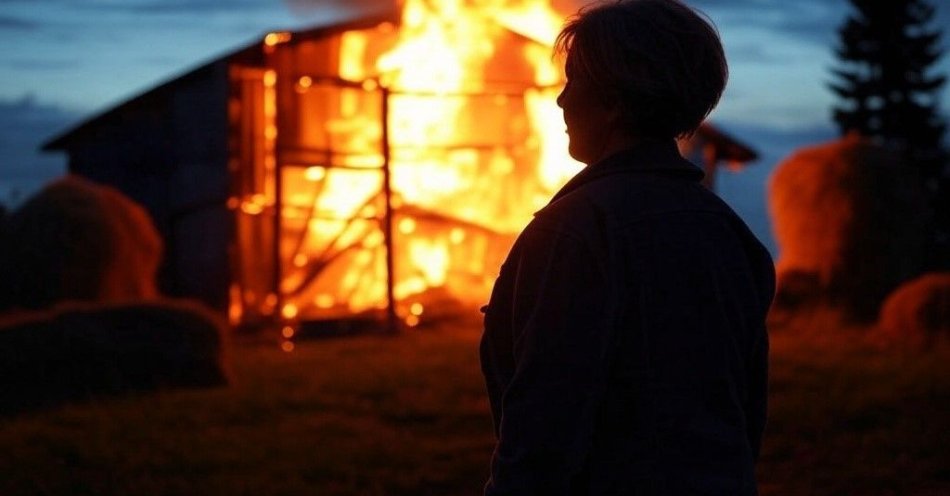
476, 142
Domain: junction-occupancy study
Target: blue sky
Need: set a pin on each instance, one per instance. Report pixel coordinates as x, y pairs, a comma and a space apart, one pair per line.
63, 60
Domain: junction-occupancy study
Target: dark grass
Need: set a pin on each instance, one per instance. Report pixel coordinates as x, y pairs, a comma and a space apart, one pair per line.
407, 415
851, 414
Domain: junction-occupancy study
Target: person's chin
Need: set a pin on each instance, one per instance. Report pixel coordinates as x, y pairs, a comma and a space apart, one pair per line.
581, 158
576, 154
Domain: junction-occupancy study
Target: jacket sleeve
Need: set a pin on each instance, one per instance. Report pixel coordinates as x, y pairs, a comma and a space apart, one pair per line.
560, 347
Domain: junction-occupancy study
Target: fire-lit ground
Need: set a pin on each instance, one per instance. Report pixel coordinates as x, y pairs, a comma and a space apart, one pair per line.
408, 415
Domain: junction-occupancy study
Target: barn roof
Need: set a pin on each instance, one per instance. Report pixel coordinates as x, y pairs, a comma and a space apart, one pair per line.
252, 53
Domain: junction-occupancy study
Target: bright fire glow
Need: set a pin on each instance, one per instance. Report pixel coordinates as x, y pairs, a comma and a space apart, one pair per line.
476, 144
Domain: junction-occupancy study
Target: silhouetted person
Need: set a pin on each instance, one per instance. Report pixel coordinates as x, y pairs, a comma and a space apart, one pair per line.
625, 349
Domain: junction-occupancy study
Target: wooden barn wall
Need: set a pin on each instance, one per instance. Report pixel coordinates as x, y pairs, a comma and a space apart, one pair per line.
168, 151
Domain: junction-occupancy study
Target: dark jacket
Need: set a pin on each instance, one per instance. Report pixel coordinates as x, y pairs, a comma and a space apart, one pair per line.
625, 349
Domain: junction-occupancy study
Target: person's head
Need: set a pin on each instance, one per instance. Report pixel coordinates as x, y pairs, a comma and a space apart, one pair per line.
646, 69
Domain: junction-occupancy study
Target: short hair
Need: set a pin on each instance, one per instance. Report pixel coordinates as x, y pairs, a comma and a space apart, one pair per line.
659, 61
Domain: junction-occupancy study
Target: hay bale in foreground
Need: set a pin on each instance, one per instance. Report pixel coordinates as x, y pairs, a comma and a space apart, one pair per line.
78, 240
849, 220
77, 352
919, 310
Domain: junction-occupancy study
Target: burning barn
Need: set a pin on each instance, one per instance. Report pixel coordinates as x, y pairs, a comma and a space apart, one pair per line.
369, 167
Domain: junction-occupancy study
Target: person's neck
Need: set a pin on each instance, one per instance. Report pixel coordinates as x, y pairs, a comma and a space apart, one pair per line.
617, 142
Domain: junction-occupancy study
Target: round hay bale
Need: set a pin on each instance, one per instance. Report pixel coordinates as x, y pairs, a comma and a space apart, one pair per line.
849, 214
918, 311
77, 240
138, 249
80, 351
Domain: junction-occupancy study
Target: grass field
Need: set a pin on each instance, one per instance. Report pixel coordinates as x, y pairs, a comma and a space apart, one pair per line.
407, 415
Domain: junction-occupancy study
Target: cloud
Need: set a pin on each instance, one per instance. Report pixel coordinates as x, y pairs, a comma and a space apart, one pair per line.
41, 65
753, 53
822, 29
9, 23
231, 6
25, 124
176, 6
813, 21
806, 20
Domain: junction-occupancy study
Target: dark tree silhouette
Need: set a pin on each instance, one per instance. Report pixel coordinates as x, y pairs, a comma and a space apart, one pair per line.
886, 49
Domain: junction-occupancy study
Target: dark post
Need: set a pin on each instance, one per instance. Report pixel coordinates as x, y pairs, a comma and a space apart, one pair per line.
392, 320
278, 225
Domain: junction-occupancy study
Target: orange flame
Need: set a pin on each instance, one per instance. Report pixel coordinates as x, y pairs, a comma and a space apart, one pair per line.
476, 142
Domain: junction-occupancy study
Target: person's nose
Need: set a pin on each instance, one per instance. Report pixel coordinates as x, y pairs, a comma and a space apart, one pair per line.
560, 97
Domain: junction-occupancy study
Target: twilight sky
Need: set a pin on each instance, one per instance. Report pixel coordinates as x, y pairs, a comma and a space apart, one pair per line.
63, 60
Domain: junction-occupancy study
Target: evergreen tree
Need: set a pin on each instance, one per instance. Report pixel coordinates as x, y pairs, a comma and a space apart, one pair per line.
886, 49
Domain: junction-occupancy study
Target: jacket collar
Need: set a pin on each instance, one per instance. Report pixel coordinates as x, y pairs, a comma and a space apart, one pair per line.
652, 157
